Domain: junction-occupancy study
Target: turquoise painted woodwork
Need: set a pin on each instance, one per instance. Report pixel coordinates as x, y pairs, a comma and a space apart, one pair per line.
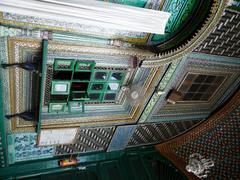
12, 32
180, 11
161, 87
138, 3
3, 148
75, 81
23, 147
173, 75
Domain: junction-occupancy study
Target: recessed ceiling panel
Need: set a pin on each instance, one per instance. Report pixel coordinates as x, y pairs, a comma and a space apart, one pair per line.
70, 80
204, 82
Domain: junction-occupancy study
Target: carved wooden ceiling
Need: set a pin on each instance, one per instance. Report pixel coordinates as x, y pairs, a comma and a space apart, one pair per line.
116, 87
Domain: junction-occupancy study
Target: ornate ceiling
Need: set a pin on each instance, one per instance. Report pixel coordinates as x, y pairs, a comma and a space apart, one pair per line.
216, 139
197, 57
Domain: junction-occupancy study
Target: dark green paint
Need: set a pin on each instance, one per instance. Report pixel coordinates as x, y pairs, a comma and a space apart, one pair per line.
2, 121
84, 92
180, 11
131, 164
43, 72
188, 29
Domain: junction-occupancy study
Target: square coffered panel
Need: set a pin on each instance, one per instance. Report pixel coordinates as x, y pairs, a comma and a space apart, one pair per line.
68, 73
204, 82
200, 87
153, 133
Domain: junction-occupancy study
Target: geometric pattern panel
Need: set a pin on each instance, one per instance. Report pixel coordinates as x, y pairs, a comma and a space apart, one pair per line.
221, 144
94, 139
18, 84
23, 147
158, 133
24, 88
225, 38
96, 82
205, 81
199, 87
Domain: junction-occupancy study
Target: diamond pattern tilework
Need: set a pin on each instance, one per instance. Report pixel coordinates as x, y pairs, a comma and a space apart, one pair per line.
157, 133
94, 139
225, 38
221, 144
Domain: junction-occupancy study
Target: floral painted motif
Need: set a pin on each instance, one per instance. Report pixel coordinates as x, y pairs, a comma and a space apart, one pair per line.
23, 147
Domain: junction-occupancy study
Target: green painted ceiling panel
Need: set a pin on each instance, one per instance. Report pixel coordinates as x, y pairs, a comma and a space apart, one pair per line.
180, 11
137, 3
